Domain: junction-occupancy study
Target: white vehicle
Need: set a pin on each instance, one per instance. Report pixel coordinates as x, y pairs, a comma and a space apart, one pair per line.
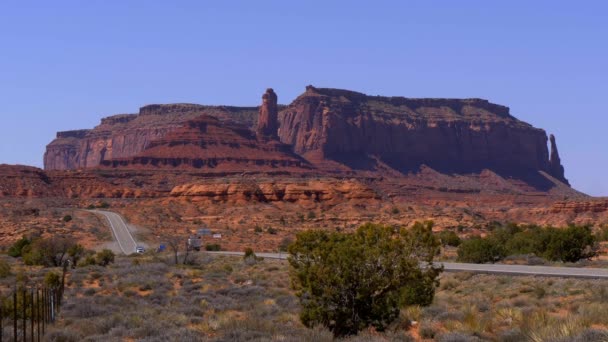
139, 250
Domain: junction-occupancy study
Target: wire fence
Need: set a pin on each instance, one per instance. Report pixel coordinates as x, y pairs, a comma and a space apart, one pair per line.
25, 313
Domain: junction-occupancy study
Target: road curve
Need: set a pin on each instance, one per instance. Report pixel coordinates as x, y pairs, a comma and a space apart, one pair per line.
120, 231
516, 270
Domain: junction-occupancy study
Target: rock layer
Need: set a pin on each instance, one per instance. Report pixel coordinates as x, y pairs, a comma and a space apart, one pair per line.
208, 143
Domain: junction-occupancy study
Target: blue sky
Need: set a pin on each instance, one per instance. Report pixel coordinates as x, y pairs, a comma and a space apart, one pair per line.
66, 64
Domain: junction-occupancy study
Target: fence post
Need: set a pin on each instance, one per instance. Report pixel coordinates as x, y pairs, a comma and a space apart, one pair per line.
32, 313
38, 312
1, 319
15, 315
43, 309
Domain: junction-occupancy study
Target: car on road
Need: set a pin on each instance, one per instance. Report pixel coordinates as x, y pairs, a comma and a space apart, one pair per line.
139, 250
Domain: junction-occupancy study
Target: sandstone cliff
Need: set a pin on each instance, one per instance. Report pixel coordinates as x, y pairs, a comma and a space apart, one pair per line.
125, 135
368, 133
208, 143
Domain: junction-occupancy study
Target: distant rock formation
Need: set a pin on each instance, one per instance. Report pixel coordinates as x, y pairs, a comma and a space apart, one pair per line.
268, 120
336, 131
555, 164
125, 135
449, 135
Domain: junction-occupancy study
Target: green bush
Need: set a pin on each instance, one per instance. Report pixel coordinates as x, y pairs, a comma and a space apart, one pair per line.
213, 247
104, 257
248, 253
67, 218
52, 280
478, 250
568, 244
16, 250
348, 282
449, 238
271, 231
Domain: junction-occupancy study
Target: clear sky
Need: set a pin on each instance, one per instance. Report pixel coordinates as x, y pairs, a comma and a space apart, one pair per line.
66, 64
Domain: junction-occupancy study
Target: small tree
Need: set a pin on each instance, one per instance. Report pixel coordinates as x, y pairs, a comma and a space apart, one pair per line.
76, 252
16, 250
348, 282
52, 280
478, 250
449, 238
105, 257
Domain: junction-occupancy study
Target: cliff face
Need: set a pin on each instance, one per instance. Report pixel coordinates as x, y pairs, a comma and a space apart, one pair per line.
336, 130
369, 132
125, 135
206, 142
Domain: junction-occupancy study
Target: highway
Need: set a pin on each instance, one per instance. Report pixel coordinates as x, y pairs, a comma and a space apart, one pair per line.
120, 231
127, 244
500, 269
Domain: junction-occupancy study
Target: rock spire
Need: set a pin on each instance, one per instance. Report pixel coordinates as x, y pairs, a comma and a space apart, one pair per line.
268, 119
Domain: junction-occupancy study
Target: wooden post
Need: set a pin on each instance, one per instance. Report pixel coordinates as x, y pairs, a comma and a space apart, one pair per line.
38, 311
1, 320
24, 301
15, 315
32, 313
43, 314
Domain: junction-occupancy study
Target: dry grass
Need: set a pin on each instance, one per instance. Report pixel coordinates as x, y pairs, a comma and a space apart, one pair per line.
217, 298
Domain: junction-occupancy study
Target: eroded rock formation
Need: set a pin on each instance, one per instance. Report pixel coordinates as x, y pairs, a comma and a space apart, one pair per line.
449, 135
268, 119
208, 143
337, 131
124, 135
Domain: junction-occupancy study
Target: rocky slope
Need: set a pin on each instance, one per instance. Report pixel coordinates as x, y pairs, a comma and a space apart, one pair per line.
372, 133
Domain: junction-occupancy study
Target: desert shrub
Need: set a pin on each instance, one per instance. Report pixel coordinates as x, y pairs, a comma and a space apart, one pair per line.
449, 238
592, 335
457, 337
5, 268
89, 292
103, 205
366, 273
58, 335
52, 280
427, 331
257, 229
512, 335
213, 247
16, 249
569, 244
104, 257
284, 244
248, 253
67, 218
479, 250
311, 215
271, 231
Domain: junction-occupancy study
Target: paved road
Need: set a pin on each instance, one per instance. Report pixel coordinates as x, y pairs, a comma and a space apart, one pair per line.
121, 232
127, 244
519, 270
